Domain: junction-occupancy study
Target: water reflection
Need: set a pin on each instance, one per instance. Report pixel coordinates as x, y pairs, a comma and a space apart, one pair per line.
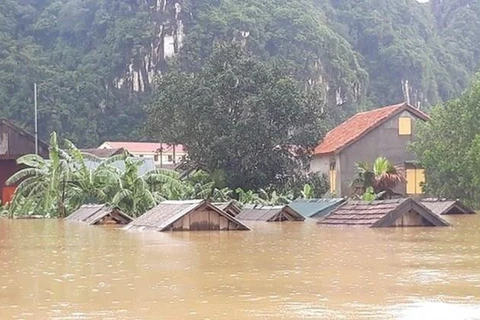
57, 270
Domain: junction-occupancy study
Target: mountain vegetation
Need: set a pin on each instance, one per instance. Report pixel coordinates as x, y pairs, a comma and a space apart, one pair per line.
95, 61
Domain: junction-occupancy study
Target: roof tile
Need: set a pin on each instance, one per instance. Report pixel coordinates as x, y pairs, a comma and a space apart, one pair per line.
356, 126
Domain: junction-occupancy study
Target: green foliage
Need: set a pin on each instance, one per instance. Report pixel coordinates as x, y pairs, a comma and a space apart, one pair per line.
240, 115
94, 60
448, 147
378, 179
55, 187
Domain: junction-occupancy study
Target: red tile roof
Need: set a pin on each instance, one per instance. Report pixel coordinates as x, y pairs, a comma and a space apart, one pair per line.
360, 124
144, 146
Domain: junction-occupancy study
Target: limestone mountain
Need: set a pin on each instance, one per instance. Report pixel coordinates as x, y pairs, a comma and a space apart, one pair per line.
95, 61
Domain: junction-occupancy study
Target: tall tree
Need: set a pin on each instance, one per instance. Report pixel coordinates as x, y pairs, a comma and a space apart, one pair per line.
240, 115
448, 147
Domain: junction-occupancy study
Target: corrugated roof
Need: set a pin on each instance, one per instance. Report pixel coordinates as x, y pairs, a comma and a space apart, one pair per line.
357, 126
24, 132
445, 206
85, 211
93, 213
147, 164
231, 207
382, 213
104, 153
269, 213
166, 213
316, 208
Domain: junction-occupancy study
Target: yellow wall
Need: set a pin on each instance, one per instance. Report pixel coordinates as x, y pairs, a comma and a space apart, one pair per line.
415, 180
333, 181
404, 126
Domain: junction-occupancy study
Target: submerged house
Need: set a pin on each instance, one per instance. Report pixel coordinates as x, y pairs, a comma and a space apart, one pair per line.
96, 214
191, 215
14, 143
444, 206
269, 213
231, 207
405, 212
316, 208
384, 132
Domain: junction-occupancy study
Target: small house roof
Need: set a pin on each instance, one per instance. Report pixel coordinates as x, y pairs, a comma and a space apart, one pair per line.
166, 213
360, 124
269, 213
445, 206
104, 153
23, 132
316, 208
92, 213
381, 213
229, 206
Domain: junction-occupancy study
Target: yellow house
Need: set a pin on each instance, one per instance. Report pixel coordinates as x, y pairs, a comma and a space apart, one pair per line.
384, 132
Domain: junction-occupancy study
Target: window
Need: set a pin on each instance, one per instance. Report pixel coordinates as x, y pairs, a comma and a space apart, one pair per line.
170, 158
140, 155
415, 180
155, 158
404, 126
333, 178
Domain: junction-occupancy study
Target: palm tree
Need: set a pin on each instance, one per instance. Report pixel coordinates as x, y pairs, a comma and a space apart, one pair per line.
41, 181
382, 177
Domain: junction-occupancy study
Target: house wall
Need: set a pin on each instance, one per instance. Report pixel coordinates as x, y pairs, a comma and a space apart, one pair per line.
7, 169
383, 141
14, 143
322, 164
203, 219
411, 219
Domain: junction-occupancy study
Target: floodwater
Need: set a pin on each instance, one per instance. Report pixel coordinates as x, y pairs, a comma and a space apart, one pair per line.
63, 270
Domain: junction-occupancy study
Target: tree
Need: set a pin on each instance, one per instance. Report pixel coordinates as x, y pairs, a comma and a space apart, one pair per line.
448, 147
41, 184
240, 115
379, 179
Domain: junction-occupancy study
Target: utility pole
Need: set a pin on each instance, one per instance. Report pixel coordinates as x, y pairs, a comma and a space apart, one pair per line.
36, 120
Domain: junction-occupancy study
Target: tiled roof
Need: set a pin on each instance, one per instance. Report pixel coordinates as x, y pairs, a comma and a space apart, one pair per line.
145, 146
358, 125
382, 213
444, 206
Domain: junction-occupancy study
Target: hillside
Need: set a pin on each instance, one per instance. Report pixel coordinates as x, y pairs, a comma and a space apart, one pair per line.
95, 61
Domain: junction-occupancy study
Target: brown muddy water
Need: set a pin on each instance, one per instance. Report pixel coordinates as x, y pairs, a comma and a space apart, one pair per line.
61, 270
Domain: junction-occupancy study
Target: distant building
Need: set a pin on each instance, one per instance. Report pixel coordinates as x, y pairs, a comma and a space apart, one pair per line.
163, 155
14, 143
384, 132
104, 153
